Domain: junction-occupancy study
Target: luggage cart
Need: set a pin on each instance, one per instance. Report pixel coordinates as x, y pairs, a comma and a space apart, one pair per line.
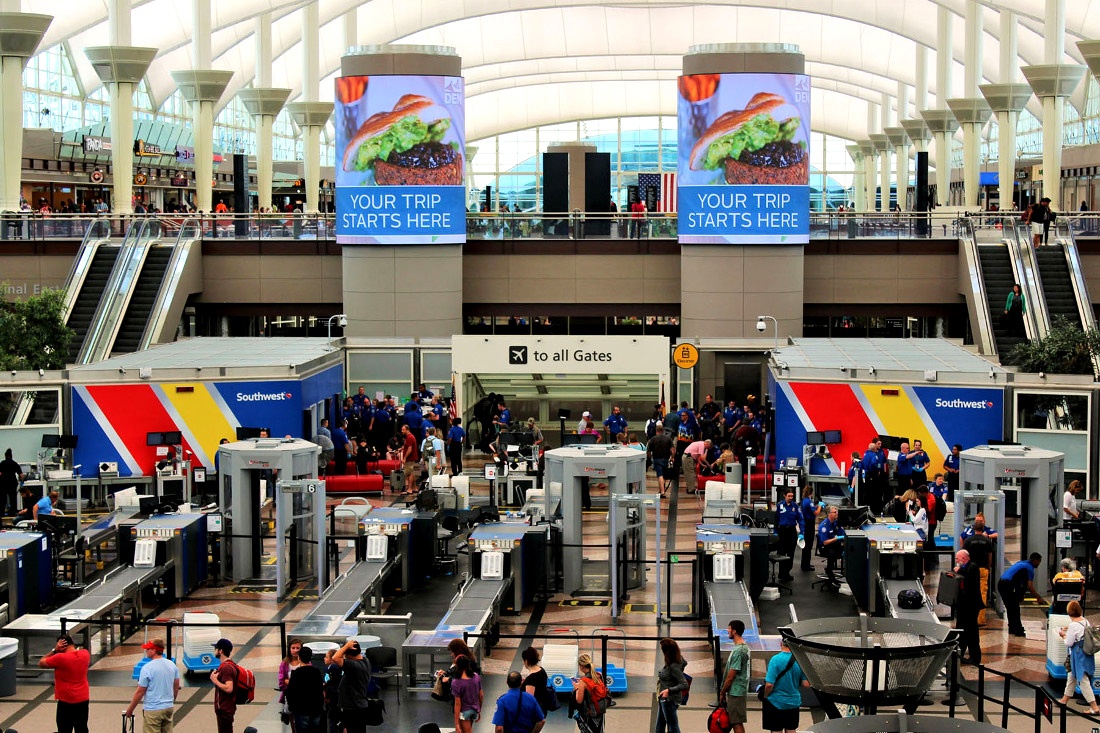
614, 677
560, 660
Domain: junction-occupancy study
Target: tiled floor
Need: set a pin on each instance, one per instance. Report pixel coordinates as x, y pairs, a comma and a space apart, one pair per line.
31, 709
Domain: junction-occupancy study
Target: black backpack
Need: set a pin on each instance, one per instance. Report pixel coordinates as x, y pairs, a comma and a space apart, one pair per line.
910, 599
941, 508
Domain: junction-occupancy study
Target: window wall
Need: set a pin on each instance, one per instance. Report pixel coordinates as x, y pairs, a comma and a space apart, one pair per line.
54, 99
512, 163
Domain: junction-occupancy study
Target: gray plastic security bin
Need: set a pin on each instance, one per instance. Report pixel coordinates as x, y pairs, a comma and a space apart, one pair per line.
9, 657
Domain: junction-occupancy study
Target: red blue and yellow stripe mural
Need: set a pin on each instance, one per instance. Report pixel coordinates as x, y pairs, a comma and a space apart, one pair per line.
937, 416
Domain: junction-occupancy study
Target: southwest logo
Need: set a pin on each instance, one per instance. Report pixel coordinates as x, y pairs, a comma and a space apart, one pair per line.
264, 397
958, 404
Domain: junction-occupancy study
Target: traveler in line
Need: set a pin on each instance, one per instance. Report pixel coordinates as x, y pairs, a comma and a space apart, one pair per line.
70, 684
517, 710
157, 689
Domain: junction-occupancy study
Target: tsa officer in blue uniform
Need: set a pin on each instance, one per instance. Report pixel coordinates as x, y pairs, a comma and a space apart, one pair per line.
918, 461
830, 537
1016, 582
809, 523
951, 471
615, 423
788, 525
874, 472
731, 419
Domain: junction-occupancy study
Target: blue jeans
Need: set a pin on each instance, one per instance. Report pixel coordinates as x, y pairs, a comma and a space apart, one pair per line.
308, 723
667, 717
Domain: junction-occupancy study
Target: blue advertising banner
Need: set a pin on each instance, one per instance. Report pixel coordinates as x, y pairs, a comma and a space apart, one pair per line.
744, 159
760, 212
400, 160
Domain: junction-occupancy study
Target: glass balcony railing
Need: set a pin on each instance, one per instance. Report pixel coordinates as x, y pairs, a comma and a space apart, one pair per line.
517, 226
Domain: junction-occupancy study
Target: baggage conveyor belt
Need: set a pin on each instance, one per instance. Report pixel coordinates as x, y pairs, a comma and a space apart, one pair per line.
890, 590
96, 602
728, 601
477, 602
330, 618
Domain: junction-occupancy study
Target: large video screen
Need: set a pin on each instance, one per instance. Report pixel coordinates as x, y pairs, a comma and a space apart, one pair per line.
400, 160
744, 159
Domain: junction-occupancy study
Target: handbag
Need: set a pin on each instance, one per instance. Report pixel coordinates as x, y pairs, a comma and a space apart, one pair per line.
441, 690
375, 712
553, 702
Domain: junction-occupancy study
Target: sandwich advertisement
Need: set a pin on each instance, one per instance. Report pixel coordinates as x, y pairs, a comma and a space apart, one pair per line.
400, 160
744, 158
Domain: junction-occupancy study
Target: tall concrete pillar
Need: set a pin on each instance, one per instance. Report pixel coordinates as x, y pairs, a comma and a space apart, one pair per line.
1053, 82
899, 141
202, 88
859, 195
942, 124
309, 114
383, 293
264, 105
759, 279
883, 147
1006, 101
121, 68
20, 34
971, 113
870, 175
311, 118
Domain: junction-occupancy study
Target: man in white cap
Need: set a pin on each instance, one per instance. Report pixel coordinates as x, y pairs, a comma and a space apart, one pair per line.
584, 421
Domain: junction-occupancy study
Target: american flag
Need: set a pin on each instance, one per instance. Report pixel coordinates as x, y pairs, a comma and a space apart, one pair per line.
453, 406
666, 189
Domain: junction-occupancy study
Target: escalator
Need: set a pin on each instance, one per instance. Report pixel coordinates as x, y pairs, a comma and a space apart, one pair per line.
998, 277
142, 298
87, 300
1057, 284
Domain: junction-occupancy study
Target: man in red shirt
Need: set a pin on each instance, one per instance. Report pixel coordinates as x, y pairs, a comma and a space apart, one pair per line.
225, 681
70, 684
410, 454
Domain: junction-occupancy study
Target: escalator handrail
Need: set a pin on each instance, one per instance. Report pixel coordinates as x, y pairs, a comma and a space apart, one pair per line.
93, 238
116, 296
1026, 272
190, 232
986, 337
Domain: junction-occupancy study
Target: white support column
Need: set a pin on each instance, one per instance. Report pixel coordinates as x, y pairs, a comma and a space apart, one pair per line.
899, 141
203, 88
351, 28
121, 68
920, 88
1053, 83
263, 50
870, 180
944, 133
1006, 99
971, 111
20, 34
858, 194
118, 22
311, 115
264, 106
200, 41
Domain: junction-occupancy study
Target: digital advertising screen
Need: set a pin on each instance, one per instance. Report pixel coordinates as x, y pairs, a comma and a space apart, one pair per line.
400, 160
744, 158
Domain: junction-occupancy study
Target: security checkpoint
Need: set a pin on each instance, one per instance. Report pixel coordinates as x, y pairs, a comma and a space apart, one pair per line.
285, 469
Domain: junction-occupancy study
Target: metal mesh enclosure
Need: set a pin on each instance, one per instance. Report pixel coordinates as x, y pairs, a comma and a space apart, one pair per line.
870, 661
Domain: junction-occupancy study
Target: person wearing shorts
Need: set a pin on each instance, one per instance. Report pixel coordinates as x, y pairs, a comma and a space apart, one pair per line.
735, 685
782, 697
659, 449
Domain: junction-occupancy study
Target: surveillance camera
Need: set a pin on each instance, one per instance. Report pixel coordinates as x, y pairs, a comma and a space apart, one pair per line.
761, 326
41, 372
13, 372
343, 321
871, 370
122, 370
1042, 375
